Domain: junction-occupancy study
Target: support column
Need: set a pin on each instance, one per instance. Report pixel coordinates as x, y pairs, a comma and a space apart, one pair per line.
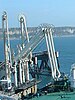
23, 71
20, 71
7, 50
27, 71
35, 64
36, 61
15, 75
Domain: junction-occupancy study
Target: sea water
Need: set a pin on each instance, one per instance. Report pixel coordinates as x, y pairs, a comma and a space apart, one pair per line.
64, 45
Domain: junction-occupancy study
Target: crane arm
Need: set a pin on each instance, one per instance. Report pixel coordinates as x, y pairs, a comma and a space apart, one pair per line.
30, 46
37, 38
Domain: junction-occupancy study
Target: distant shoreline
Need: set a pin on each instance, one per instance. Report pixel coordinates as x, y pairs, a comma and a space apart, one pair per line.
73, 35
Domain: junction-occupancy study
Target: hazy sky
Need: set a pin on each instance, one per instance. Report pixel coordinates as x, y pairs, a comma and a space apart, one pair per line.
57, 12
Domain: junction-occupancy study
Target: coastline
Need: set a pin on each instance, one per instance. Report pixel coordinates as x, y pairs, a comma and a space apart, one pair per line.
64, 35
55, 36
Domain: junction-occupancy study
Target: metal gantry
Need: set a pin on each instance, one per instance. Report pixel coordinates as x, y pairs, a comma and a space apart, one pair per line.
21, 60
43, 32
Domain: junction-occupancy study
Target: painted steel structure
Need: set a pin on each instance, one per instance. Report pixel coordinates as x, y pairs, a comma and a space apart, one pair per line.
7, 51
21, 68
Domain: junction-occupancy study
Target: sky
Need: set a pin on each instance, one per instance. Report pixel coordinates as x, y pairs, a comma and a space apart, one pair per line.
56, 12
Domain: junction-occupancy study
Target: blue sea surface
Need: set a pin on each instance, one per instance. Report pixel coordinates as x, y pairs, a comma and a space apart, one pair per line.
66, 48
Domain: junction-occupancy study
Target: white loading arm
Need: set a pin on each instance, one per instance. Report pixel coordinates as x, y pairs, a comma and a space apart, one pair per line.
23, 27
7, 51
35, 40
51, 53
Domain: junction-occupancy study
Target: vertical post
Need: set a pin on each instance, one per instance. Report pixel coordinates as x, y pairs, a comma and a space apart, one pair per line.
27, 71
35, 65
12, 56
23, 71
7, 52
57, 57
20, 71
22, 31
15, 74
35, 60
